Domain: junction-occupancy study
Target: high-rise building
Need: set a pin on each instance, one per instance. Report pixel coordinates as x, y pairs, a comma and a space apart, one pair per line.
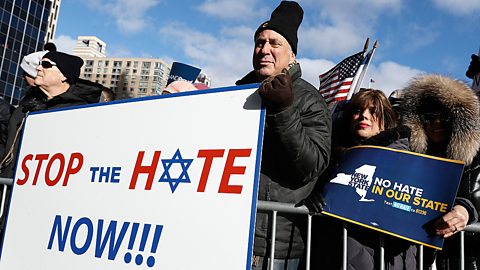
90, 46
127, 77
25, 27
52, 21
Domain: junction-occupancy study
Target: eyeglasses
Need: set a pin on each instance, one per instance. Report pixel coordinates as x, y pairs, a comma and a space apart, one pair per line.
430, 117
47, 64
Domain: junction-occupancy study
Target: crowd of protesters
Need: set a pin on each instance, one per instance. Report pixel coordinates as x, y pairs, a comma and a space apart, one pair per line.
434, 115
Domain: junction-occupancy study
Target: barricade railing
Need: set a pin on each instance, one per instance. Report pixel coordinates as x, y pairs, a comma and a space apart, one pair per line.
278, 207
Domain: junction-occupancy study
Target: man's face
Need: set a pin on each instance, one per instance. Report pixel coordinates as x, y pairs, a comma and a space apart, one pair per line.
272, 54
49, 78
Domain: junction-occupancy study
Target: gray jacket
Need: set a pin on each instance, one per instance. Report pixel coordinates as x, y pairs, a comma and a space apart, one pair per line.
296, 150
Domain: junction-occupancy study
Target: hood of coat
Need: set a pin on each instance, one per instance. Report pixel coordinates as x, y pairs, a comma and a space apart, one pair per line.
456, 99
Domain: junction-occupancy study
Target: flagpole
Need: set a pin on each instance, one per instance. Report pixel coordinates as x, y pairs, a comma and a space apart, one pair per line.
364, 71
365, 47
357, 75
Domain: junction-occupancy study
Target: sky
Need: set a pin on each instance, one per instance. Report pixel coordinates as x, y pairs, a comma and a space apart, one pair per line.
414, 37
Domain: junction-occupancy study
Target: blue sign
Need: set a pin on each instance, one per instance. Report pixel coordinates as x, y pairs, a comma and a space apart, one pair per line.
396, 192
182, 72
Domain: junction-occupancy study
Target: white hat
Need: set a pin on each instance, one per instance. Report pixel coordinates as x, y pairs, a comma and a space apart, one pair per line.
30, 62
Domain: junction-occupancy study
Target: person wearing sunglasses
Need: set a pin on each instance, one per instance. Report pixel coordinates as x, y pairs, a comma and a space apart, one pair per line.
443, 114
53, 82
56, 77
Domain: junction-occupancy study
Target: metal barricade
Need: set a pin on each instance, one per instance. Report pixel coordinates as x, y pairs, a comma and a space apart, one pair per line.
276, 207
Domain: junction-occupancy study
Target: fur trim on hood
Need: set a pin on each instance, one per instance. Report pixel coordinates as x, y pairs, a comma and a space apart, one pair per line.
457, 99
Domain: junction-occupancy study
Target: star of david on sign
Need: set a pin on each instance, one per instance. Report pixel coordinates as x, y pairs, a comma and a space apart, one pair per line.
182, 178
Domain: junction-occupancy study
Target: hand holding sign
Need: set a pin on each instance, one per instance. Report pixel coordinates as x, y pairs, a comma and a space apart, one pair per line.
454, 221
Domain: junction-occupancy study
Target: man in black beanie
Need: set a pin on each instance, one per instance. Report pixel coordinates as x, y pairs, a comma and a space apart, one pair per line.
57, 72
58, 78
296, 145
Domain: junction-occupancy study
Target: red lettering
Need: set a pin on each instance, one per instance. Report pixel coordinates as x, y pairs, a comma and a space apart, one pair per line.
231, 169
25, 169
150, 170
209, 155
40, 158
61, 158
73, 170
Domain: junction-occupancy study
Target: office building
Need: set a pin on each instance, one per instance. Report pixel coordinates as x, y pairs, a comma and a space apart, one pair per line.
25, 27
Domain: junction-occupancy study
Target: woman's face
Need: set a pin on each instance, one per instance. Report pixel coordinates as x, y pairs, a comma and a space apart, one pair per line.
365, 123
437, 126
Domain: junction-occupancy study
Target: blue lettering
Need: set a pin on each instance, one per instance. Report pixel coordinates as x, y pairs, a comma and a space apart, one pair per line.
62, 238
115, 175
93, 170
80, 250
109, 237
105, 174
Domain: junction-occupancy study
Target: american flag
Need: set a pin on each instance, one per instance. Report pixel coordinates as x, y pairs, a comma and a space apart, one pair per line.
335, 83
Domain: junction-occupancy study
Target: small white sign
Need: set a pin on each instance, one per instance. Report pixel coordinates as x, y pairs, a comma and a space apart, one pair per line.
167, 182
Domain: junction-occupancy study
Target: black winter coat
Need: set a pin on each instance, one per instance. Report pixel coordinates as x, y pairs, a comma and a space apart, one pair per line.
296, 150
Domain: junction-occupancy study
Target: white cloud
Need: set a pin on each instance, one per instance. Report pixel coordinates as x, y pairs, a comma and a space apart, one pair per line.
232, 9
225, 58
330, 41
336, 28
390, 76
65, 43
459, 7
116, 50
130, 15
311, 68
420, 36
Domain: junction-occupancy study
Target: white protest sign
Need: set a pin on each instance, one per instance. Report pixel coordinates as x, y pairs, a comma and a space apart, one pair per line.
157, 183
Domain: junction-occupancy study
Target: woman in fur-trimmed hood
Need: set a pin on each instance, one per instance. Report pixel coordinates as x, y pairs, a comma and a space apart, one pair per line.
444, 117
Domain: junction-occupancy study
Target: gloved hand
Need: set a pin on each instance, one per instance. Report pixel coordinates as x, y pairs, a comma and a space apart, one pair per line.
277, 92
474, 67
315, 203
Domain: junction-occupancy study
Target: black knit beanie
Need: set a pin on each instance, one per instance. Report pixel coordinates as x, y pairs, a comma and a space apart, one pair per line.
68, 64
285, 20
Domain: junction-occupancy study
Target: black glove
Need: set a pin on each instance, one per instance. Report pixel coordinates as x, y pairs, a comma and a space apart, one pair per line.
314, 202
277, 92
474, 67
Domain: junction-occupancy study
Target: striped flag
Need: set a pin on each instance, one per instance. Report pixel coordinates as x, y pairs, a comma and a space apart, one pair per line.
335, 83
